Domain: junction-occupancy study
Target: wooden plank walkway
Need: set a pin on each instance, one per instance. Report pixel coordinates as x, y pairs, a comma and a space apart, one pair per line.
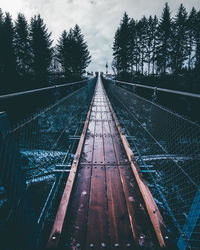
106, 208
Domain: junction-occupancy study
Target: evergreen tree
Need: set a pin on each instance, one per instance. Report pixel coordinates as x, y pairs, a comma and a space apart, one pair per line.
154, 30
1, 43
197, 41
132, 46
180, 40
163, 54
22, 45
121, 47
72, 52
8, 54
40, 40
81, 54
116, 52
142, 41
65, 52
150, 41
191, 23
137, 49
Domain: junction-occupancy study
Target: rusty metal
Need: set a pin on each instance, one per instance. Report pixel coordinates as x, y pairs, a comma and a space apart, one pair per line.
110, 205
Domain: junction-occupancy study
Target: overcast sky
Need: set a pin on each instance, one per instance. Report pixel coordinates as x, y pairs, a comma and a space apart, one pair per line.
98, 19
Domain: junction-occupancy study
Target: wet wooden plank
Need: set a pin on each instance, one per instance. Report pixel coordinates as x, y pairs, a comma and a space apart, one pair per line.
97, 233
87, 153
98, 115
109, 152
98, 154
120, 229
76, 223
140, 222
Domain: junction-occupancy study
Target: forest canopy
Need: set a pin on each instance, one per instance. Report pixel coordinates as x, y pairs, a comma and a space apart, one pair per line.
155, 46
29, 59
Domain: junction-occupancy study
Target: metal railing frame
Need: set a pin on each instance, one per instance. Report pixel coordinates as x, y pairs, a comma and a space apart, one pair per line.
40, 90
171, 91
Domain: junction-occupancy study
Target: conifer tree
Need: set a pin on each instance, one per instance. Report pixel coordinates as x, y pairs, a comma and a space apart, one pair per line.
142, 41
8, 54
132, 46
116, 50
72, 52
1, 43
41, 50
164, 49
65, 52
154, 30
180, 40
81, 54
197, 41
121, 46
150, 42
191, 23
22, 45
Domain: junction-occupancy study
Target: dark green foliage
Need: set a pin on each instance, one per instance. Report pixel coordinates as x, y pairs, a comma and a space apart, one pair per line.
72, 53
142, 27
180, 40
151, 46
132, 45
41, 50
197, 42
22, 45
1, 43
191, 23
8, 52
121, 47
63, 53
28, 60
81, 54
164, 47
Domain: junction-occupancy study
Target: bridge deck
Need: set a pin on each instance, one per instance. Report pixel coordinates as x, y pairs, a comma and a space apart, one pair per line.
106, 208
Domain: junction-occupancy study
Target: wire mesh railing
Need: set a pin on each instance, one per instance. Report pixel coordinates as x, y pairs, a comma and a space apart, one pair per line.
44, 142
43, 139
167, 148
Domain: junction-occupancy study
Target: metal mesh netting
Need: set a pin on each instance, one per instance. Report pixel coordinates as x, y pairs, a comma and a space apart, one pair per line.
40, 149
45, 138
167, 149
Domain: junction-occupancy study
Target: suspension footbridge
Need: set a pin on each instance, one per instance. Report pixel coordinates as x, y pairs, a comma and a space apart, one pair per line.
101, 168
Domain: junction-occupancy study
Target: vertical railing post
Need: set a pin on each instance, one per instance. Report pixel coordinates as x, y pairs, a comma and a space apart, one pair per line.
190, 223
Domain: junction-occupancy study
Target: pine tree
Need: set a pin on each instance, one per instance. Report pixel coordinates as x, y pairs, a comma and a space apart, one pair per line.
8, 47
121, 47
65, 52
142, 41
150, 41
197, 41
40, 40
1, 43
81, 54
132, 45
164, 49
154, 29
72, 52
22, 45
137, 49
191, 23
180, 40
116, 52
